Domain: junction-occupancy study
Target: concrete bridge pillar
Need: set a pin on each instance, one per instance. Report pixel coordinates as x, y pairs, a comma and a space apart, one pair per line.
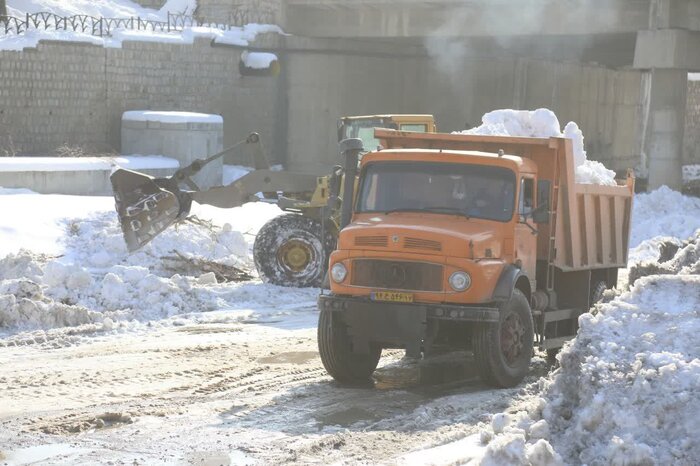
668, 49
665, 124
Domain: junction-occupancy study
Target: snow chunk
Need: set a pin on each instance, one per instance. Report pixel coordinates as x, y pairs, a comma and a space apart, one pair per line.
257, 60
543, 123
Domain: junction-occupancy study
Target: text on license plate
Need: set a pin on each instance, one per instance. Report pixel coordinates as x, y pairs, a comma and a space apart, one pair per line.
393, 296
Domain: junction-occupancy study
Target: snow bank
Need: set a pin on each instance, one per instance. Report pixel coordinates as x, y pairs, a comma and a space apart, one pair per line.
88, 276
628, 387
663, 212
543, 123
171, 117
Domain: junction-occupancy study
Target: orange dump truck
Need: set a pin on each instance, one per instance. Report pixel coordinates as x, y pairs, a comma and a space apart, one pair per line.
466, 242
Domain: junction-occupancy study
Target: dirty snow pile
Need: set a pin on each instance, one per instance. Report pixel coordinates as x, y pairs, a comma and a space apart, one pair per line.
661, 214
543, 123
628, 389
87, 276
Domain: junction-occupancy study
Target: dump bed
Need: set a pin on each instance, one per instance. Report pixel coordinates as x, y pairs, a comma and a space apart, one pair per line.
589, 224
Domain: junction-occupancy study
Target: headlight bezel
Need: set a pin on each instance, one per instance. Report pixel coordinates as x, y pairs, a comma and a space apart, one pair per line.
339, 272
460, 274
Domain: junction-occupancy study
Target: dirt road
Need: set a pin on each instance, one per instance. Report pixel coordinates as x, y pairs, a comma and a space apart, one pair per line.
213, 390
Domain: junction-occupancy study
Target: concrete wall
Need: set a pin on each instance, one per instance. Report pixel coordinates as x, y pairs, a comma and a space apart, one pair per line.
230, 12
324, 85
63, 93
692, 124
79, 182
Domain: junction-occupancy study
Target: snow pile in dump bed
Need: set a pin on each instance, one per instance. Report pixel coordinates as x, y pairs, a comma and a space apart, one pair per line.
95, 280
543, 123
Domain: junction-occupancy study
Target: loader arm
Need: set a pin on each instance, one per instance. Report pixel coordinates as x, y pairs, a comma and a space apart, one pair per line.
146, 206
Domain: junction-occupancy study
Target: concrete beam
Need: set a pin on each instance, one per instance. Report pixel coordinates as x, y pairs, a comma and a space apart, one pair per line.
460, 18
667, 49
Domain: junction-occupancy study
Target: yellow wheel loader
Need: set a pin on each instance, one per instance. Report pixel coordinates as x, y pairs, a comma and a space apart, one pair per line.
291, 249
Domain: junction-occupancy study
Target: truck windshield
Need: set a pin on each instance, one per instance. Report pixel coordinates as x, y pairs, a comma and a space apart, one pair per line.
449, 188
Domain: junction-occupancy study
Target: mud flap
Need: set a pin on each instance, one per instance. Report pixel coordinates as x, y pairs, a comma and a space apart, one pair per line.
145, 207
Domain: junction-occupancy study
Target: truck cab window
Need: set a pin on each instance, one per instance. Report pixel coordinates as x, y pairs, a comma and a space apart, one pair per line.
527, 196
419, 128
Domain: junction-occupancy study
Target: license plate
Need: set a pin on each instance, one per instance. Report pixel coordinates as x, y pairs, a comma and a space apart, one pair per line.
393, 296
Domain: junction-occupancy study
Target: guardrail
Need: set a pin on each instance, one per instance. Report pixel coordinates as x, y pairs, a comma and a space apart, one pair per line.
100, 26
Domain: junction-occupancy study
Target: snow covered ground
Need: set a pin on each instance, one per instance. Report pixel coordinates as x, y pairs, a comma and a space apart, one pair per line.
115, 357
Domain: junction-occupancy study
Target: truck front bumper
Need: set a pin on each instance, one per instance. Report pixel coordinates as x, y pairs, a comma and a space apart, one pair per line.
400, 325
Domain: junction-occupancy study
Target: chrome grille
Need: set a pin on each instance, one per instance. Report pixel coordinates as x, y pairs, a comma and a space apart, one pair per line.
375, 241
418, 243
396, 275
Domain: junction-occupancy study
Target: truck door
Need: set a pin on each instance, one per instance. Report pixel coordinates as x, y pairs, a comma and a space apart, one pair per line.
525, 240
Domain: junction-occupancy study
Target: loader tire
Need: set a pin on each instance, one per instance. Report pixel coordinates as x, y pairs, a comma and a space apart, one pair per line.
340, 361
503, 350
289, 251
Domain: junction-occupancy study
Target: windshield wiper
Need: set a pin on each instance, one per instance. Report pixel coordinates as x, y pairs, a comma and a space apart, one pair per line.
402, 209
447, 210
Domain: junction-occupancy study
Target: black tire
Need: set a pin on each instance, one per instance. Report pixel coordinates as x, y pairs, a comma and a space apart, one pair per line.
335, 348
503, 350
288, 251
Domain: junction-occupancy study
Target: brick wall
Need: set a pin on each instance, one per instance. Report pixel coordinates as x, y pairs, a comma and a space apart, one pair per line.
62, 93
692, 124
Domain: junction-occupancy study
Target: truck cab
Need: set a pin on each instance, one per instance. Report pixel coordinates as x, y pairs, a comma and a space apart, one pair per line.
445, 250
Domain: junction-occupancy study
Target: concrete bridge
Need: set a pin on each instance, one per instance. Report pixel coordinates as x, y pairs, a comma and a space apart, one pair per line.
657, 39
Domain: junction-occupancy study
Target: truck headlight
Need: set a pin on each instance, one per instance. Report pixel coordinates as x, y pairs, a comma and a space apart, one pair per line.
338, 272
460, 281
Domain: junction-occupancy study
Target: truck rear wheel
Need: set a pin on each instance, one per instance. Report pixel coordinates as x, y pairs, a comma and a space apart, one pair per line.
340, 361
289, 251
503, 350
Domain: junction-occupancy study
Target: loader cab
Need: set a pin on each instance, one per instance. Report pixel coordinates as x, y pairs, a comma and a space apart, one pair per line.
362, 127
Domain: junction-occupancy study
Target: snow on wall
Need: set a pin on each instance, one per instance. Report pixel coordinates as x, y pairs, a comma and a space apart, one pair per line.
171, 117
258, 60
543, 123
105, 8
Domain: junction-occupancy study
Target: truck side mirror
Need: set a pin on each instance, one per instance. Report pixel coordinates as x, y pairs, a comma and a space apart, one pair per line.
541, 213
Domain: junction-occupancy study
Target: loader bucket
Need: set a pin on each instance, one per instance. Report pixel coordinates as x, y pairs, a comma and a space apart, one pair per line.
144, 206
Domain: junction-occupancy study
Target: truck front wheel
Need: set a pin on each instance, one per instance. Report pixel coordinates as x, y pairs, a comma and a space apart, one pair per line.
340, 361
289, 251
503, 350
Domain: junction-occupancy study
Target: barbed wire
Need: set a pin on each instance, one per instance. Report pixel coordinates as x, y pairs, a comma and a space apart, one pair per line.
101, 26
